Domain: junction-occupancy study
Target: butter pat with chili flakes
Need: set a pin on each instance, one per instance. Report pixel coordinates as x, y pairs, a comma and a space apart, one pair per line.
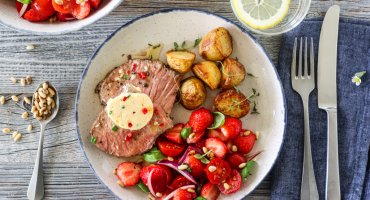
130, 111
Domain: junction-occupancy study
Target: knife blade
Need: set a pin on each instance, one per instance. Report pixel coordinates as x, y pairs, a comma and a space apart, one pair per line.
327, 96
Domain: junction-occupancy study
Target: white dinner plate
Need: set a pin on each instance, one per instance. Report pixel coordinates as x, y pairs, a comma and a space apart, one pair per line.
177, 25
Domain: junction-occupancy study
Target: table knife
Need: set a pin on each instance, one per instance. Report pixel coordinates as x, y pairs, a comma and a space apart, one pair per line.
327, 96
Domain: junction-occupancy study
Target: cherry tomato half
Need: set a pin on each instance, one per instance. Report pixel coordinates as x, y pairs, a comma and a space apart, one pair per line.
222, 171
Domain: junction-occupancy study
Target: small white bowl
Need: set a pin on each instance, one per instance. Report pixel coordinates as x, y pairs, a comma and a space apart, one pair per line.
10, 18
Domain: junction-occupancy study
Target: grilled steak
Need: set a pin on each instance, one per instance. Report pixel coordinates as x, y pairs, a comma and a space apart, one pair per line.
153, 79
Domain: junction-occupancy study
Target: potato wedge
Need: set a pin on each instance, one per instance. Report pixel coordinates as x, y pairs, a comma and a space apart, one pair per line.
180, 61
216, 45
232, 103
192, 93
233, 73
208, 72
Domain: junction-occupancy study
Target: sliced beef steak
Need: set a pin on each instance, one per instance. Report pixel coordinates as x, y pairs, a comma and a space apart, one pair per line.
153, 79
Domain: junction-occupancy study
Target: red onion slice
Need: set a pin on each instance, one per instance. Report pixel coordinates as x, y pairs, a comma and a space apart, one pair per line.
190, 148
151, 189
175, 166
23, 10
168, 197
69, 18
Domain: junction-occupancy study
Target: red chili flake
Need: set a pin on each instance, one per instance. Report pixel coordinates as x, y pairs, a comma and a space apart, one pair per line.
128, 72
142, 75
125, 98
129, 124
155, 111
144, 110
161, 124
128, 136
134, 66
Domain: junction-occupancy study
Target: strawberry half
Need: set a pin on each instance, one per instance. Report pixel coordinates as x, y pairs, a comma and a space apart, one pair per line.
245, 143
181, 194
231, 127
128, 173
200, 120
174, 134
216, 146
235, 159
210, 191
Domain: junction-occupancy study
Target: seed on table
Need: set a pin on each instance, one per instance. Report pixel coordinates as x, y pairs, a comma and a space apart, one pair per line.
2, 100
120, 183
25, 115
30, 47
6, 130
15, 98
23, 82
27, 100
257, 135
29, 128
17, 137
13, 80
51, 92
28, 79
15, 133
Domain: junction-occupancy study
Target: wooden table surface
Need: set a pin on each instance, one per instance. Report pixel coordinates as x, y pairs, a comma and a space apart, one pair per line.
61, 60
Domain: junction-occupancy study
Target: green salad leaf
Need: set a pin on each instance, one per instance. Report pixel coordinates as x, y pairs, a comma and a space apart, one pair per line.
142, 186
219, 120
153, 155
25, 1
185, 132
246, 171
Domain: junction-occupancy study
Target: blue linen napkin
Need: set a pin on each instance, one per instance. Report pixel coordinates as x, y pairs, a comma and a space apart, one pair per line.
353, 116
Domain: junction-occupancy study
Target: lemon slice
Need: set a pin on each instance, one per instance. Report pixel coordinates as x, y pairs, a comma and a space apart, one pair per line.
261, 14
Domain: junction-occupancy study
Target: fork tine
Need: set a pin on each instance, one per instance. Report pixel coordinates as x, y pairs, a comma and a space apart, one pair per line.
294, 60
300, 58
305, 58
312, 61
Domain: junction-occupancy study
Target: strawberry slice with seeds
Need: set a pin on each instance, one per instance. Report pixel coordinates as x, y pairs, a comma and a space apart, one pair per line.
200, 120
128, 173
245, 143
210, 191
216, 146
174, 134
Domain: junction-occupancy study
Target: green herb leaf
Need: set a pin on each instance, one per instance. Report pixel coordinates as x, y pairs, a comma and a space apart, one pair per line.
183, 45
110, 112
254, 109
142, 186
188, 169
219, 120
360, 74
125, 77
251, 75
25, 1
123, 107
196, 42
185, 132
200, 198
176, 46
93, 140
246, 171
153, 155
202, 158
115, 128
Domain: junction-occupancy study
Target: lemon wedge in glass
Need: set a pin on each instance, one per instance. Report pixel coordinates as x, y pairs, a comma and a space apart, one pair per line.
261, 14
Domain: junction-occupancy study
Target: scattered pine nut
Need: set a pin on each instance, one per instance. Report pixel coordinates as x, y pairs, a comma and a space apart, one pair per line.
192, 135
25, 115
17, 137
226, 186
27, 100
234, 148
15, 133
191, 190
29, 128
257, 135
182, 167
170, 158
13, 80
6, 130
204, 149
23, 82
246, 133
28, 79
2, 100
192, 152
212, 168
242, 165
15, 98
120, 183
158, 194
30, 47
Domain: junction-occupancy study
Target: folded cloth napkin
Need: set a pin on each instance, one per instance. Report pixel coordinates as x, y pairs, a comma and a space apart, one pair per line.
353, 116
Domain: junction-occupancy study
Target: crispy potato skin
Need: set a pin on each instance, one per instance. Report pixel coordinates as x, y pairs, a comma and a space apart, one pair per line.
233, 73
208, 72
192, 93
232, 103
180, 61
216, 45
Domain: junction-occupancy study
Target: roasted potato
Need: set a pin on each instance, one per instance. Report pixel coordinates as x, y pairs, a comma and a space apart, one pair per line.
216, 45
192, 93
233, 73
180, 61
208, 72
232, 103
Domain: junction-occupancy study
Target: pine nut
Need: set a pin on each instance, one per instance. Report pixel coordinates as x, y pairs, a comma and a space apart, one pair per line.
191, 190
42, 94
28, 79
247, 133
13, 80
49, 100
170, 158
151, 197
234, 148
15, 98
41, 104
29, 128
192, 135
226, 186
182, 167
36, 114
25, 115
51, 92
27, 100
158, 194
242, 165
37, 105
45, 91
53, 104
257, 135
204, 149
191, 152
212, 168
2, 100
6, 130
120, 183
23, 82
30, 47
14, 134
17, 137
211, 155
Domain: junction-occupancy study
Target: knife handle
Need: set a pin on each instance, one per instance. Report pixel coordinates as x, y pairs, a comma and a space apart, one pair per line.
332, 168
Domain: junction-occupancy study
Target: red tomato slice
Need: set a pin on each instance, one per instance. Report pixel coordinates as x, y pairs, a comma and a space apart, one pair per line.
95, 3
43, 7
196, 138
231, 127
179, 181
157, 182
245, 143
196, 166
65, 17
66, 7
210, 191
181, 194
169, 148
216, 146
144, 173
81, 11
128, 173
221, 173
234, 183
235, 159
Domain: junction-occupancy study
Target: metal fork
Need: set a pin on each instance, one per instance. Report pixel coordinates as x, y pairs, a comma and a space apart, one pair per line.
303, 83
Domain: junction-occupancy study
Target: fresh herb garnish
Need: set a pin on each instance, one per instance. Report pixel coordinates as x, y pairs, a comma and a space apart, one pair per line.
251, 75
254, 109
219, 120
185, 132
176, 46
142, 186
25, 1
188, 169
110, 112
356, 79
196, 42
203, 158
125, 77
123, 107
254, 94
93, 140
183, 45
153, 155
200, 198
246, 171
115, 128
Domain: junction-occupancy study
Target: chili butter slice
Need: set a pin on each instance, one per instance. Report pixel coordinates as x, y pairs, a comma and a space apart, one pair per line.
130, 111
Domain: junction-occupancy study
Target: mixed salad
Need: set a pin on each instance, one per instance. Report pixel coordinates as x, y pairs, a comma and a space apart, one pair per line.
208, 155
62, 10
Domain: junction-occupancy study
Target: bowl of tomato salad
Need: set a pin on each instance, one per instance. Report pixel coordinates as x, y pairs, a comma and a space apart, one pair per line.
208, 156
43, 17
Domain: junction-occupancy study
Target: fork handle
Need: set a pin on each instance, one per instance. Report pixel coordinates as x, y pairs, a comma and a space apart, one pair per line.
332, 168
308, 185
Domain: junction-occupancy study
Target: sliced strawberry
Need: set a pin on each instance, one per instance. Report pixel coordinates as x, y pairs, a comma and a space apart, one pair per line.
34, 16
81, 11
233, 183
95, 3
235, 159
179, 181
144, 173
128, 173
216, 133
231, 127
196, 137
210, 191
245, 143
200, 144
217, 170
181, 194
174, 134
169, 148
156, 181
196, 166
65, 17
216, 146
200, 120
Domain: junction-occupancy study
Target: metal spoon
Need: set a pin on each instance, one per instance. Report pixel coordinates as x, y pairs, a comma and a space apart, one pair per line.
36, 186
